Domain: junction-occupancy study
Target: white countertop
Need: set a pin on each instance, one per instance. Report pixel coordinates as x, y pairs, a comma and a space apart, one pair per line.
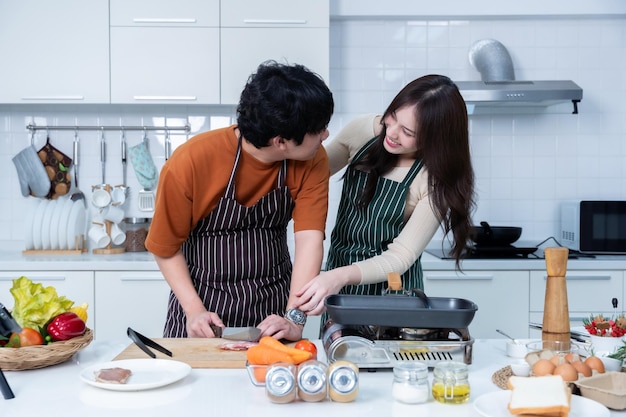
58, 391
12, 259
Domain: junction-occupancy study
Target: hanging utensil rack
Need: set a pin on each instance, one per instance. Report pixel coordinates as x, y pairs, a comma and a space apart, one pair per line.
186, 128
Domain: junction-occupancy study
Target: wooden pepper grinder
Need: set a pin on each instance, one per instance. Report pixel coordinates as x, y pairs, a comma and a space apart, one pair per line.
555, 309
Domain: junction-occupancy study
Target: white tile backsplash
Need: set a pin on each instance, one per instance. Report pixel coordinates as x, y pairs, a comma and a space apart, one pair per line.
525, 163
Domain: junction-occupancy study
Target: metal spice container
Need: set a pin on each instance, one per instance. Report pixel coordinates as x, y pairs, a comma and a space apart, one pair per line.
136, 229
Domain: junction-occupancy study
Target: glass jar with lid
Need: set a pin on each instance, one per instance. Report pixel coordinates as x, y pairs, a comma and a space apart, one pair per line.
312, 385
343, 381
410, 382
280, 382
451, 383
136, 229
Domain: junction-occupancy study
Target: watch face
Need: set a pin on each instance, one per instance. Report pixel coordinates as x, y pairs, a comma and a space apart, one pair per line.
297, 316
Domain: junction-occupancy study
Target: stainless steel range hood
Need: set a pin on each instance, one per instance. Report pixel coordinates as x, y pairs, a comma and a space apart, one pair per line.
520, 93
498, 87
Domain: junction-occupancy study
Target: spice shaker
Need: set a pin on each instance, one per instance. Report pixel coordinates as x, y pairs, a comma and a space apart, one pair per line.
136, 229
450, 383
410, 382
280, 382
343, 381
312, 385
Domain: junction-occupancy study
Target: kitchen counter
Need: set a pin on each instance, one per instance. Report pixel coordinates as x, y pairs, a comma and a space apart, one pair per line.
58, 391
12, 259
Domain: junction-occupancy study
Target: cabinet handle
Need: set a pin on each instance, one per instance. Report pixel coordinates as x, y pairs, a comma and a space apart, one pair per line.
459, 277
54, 98
275, 21
165, 98
585, 277
162, 20
141, 278
37, 279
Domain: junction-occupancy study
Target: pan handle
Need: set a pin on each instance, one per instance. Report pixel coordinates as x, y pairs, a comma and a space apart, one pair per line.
487, 229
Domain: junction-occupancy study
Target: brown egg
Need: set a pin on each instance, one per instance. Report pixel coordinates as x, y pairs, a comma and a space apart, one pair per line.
557, 360
543, 367
595, 364
567, 372
572, 357
582, 368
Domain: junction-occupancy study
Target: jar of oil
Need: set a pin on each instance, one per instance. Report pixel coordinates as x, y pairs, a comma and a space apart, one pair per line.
450, 383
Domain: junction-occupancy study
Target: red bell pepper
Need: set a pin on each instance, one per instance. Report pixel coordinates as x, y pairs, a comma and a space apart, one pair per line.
66, 326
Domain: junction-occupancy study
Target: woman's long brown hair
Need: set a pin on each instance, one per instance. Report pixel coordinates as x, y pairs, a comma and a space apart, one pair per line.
442, 135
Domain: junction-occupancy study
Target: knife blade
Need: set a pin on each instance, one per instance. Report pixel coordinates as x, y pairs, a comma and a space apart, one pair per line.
245, 334
577, 336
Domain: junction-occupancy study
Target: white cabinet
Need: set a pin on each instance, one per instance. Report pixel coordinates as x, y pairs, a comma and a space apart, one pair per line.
165, 52
78, 286
588, 292
136, 299
54, 51
287, 31
502, 298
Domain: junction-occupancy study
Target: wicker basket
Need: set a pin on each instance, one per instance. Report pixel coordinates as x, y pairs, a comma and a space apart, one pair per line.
34, 357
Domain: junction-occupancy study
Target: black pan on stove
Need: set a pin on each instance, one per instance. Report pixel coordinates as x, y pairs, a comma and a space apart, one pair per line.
487, 235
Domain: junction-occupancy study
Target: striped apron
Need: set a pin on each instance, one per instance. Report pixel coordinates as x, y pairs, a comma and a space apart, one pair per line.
361, 233
238, 258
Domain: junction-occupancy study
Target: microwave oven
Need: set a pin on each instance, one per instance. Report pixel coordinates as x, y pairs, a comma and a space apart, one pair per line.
597, 226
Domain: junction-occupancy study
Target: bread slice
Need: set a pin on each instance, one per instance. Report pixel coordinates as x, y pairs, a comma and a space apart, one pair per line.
546, 396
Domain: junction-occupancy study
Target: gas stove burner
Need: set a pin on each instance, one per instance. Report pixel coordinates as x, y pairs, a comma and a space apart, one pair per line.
372, 347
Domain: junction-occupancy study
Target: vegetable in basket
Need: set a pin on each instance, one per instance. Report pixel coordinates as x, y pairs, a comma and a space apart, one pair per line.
35, 305
66, 326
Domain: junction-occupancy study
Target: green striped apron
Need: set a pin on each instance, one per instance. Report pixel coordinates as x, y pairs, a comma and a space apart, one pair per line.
361, 233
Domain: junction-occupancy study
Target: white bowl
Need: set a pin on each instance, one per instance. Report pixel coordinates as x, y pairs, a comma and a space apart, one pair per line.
520, 368
516, 350
611, 364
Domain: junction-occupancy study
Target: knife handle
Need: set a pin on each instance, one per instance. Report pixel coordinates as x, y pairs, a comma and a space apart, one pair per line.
217, 330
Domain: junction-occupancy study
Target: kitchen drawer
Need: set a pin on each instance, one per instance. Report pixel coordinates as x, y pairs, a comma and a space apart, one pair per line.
587, 291
130, 299
78, 286
501, 296
285, 13
165, 13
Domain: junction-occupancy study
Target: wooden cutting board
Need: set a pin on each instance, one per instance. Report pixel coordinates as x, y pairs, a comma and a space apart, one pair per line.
197, 352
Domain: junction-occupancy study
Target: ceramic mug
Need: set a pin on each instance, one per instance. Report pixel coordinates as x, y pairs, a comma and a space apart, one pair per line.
118, 196
100, 198
113, 214
98, 235
118, 236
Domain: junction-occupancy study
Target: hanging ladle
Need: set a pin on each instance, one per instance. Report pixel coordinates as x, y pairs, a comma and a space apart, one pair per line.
78, 194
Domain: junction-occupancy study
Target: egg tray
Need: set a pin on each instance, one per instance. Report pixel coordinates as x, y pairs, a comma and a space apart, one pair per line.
609, 389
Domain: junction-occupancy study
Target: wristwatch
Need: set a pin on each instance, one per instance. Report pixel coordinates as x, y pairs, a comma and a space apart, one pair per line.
296, 315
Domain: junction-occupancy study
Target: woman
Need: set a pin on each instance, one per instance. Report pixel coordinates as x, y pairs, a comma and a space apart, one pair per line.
409, 172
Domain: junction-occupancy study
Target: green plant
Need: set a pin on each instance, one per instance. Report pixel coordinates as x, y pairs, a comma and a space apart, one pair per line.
620, 352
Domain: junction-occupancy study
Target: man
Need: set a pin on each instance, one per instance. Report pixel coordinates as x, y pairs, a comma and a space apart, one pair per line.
223, 203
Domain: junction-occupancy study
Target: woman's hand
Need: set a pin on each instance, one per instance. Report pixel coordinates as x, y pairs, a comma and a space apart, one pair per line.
280, 328
310, 298
199, 325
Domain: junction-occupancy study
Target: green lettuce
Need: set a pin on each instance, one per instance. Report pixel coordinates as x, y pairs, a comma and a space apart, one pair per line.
35, 305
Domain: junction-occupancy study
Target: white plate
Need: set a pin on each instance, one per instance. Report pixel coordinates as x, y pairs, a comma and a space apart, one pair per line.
37, 224
494, 404
65, 216
146, 373
46, 225
33, 203
75, 224
54, 224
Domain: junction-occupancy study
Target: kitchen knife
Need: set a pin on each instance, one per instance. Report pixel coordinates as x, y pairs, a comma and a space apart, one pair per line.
246, 334
577, 336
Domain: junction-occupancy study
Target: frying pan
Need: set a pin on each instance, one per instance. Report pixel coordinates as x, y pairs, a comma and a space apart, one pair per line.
487, 235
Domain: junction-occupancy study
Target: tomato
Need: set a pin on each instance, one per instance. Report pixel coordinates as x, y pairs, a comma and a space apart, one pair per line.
27, 337
307, 346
